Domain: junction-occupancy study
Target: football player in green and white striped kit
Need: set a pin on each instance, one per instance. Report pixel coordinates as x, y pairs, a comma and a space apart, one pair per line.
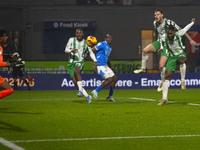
171, 42
77, 49
160, 26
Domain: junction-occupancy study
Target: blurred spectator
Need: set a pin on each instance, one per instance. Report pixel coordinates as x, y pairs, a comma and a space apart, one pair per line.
100, 1
5, 48
127, 2
110, 2
16, 47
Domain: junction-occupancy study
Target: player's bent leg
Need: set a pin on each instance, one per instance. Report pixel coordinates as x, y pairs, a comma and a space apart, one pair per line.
95, 94
83, 91
165, 93
80, 94
80, 88
166, 85
112, 87
78, 80
160, 87
77, 74
6, 92
145, 57
99, 88
106, 82
149, 49
74, 81
79, 84
114, 81
6, 89
162, 74
162, 63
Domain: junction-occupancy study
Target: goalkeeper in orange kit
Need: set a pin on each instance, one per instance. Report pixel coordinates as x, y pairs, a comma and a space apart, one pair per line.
6, 89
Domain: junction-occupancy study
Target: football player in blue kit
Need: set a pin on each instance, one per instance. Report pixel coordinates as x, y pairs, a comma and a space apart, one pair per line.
103, 67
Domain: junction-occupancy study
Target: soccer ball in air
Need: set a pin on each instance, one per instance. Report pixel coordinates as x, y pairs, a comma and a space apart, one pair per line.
91, 41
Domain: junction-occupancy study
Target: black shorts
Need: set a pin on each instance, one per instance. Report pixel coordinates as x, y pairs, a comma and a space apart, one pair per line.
17, 72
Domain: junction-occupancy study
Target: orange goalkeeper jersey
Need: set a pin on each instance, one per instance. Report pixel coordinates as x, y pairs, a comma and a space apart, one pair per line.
2, 63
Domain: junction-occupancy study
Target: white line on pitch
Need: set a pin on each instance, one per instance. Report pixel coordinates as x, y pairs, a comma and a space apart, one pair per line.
145, 99
10, 144
106, 138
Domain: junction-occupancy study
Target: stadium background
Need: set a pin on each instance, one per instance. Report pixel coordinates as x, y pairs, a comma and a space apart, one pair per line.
43, 119
43, 42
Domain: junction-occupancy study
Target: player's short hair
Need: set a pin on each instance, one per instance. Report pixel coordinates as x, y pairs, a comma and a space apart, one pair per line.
107, 35
2, 32
159, 10
79, 29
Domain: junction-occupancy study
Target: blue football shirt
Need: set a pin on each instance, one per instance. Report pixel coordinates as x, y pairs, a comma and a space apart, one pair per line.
103, 52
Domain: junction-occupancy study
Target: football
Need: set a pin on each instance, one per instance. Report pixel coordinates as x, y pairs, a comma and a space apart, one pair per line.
91, 41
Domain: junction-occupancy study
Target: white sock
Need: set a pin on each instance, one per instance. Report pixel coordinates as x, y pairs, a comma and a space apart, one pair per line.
80, 87
165, 89
145, 57
183, 71
85, 93
162, 74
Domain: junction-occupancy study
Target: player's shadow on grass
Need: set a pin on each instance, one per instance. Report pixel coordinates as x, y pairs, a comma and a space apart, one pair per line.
79, 101
6, 110
84, 101
102, 101
7, 126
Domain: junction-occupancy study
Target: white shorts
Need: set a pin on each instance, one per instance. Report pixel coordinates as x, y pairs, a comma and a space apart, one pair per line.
105, 72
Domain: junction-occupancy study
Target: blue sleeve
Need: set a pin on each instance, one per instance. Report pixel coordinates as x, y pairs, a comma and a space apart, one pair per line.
99, 46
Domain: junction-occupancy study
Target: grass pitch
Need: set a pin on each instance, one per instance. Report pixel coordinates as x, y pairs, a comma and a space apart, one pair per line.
59, 120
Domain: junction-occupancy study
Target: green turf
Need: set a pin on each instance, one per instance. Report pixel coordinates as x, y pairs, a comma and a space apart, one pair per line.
59, 116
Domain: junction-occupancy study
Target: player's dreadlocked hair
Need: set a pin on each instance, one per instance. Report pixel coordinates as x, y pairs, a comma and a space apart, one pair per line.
171, 27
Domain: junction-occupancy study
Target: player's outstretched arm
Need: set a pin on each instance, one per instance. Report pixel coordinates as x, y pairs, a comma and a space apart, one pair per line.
92, 55
186, 28
192, 42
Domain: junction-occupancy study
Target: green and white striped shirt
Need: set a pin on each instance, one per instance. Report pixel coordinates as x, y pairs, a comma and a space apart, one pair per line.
82, 47
175, 47
161, 29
